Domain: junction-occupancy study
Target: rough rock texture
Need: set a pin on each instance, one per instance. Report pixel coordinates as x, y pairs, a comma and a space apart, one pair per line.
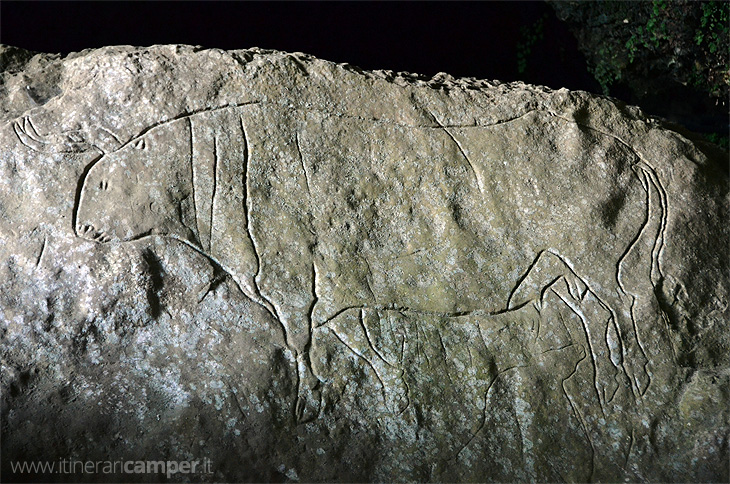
303, 271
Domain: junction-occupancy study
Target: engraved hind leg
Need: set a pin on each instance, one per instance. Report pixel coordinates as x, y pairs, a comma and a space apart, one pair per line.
638, 273
636, 361
550, 271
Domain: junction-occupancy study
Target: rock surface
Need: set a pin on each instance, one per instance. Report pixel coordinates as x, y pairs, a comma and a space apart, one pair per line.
306, 272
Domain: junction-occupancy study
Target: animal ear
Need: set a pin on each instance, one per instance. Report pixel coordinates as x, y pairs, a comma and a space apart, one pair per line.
64, 142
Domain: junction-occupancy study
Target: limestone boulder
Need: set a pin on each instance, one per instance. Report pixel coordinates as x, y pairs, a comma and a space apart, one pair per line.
295, 270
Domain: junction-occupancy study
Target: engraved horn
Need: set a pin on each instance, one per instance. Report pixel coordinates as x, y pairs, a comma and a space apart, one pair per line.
65, 142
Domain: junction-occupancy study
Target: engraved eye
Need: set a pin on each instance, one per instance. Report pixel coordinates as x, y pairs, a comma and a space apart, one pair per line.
104, 185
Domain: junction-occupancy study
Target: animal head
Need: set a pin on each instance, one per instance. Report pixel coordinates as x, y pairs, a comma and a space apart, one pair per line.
142, 188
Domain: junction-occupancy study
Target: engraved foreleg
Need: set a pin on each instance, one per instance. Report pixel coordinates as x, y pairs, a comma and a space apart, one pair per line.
283, 242
354, 329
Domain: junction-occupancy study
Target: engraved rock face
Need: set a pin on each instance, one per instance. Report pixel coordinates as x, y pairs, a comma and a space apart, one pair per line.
306, 272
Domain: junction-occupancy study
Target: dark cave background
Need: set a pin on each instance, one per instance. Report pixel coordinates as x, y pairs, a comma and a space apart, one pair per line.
475, 39
507, 41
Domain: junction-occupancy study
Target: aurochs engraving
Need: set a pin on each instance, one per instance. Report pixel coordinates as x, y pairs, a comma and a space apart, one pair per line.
313, 214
